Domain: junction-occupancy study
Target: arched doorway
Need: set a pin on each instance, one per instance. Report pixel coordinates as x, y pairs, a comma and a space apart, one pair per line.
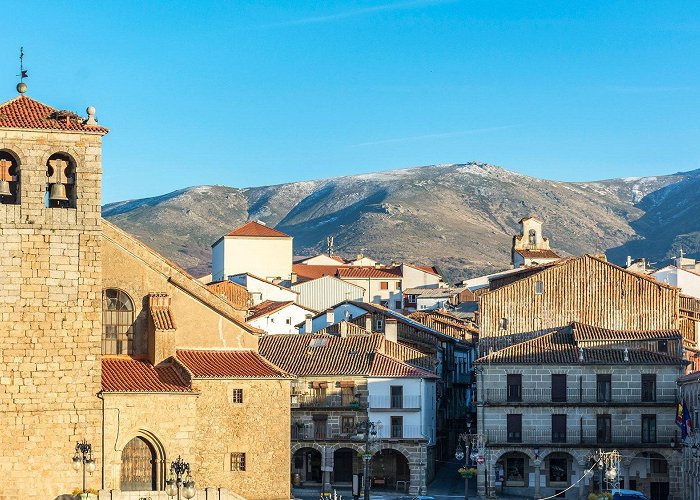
139, 471
514, 467
648, 473
558, 468
343, 460
387, 467
307, 463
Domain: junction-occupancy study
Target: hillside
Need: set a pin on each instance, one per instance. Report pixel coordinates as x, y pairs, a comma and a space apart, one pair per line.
459, 217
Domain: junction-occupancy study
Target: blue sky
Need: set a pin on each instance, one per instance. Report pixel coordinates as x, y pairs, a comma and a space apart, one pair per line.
250, 93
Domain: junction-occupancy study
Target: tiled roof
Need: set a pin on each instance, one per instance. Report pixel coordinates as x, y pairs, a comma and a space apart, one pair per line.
560, 348
25, 112
235, 293
161, 312
267, 307
432, 292
427, 269
228, 364
313, 272
307, 355
588, 333
366, 272
385, 366
125, 374
538, 254
254, 228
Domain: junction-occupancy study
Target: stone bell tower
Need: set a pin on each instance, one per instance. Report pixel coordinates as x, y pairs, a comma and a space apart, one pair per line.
50, 296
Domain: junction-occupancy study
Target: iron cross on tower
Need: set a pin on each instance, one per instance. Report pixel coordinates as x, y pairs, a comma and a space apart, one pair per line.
23, 73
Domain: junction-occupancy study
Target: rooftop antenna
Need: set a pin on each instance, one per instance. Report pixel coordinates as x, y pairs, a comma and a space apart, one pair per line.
329, 242
23, 73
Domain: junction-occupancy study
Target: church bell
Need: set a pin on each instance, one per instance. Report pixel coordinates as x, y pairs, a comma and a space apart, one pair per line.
58, 192
5, 188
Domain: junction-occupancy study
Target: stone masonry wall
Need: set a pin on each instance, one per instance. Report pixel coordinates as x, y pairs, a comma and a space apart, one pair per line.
259, 427
50, 319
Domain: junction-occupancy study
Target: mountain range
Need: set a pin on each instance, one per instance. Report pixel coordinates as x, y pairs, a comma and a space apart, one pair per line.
460, 217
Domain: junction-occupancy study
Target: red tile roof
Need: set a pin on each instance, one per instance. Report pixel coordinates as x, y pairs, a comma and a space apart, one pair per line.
538, 254
254, 228
560, 347
310, 355
267, 307
125, 374
228, 364
313, 272
427, 269
367, 272
589, 333
24, 112
161, 312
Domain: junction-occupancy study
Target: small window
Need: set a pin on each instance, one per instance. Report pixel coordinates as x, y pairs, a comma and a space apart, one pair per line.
604, 388
559, 428
379, 325
514, 424
397, 427
384, 285
663, 345
648, 428
117, 322
288, 321
396, 396
237, 396
604, 428
398, 304
347, 425
539, 287
237, 461
515, 388
411, 299
558, 387
504, 323
397, 285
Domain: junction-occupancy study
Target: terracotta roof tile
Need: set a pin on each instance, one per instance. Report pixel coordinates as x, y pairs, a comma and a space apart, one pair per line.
584, 333
228, 364
367, 272
306, 355
267, 307
560, 347
161, 312
427, 269
312, 272
254, 228
541, 254
125, 374
25, 112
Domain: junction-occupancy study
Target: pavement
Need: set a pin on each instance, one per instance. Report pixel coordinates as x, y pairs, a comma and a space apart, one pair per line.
447, 485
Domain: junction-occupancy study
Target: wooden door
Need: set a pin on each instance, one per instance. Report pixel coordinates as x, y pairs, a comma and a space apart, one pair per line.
138, 466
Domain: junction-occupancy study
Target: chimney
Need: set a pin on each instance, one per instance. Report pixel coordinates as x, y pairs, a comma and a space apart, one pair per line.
330, 317
307, 323
629, 261
293, 277
368, 322
391, 329
343, 328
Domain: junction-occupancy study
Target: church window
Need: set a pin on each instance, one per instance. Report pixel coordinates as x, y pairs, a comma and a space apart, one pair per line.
237, 396
532, 237
60, 182
9, 179
117, 322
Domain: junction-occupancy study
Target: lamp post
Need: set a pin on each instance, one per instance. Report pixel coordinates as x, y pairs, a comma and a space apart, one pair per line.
473, 445
83, 456
610, 461
367, 428
173, 485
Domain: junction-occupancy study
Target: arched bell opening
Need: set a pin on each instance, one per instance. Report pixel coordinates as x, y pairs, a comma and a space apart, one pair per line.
9, 178
61, 181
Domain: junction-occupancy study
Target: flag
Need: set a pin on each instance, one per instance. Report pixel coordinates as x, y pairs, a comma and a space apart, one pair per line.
687, 426
679, 415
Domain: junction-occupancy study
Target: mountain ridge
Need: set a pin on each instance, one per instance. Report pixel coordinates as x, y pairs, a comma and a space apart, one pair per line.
460, 217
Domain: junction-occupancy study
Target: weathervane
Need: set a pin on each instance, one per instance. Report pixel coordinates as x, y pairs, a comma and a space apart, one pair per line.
21, 86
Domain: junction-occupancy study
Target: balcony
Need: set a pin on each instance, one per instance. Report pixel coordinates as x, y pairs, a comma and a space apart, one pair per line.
332, 401
403, 432
394, 402
575, 396
574, 436
330, 433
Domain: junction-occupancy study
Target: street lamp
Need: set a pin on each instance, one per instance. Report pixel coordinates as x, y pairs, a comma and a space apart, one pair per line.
83, 456
473, 444
367, 428
175, 484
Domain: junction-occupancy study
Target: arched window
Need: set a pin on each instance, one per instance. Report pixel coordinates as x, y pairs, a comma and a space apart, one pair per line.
533, 237
9, 179
117, 322
139, 466
60, 184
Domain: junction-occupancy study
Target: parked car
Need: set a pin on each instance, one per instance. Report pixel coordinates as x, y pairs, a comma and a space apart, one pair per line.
628, 495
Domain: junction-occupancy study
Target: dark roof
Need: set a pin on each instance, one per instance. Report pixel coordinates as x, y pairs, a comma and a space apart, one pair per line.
227, 364
25, 112
126, 374
560, 347
254, 228
310, 355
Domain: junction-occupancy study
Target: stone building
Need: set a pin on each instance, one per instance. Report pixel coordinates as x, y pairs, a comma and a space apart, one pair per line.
100, 337
689, 386
343, 381
547, 404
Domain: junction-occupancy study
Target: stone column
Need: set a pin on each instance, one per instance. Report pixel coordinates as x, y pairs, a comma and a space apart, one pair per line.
481, 481
626, 473
538, 468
